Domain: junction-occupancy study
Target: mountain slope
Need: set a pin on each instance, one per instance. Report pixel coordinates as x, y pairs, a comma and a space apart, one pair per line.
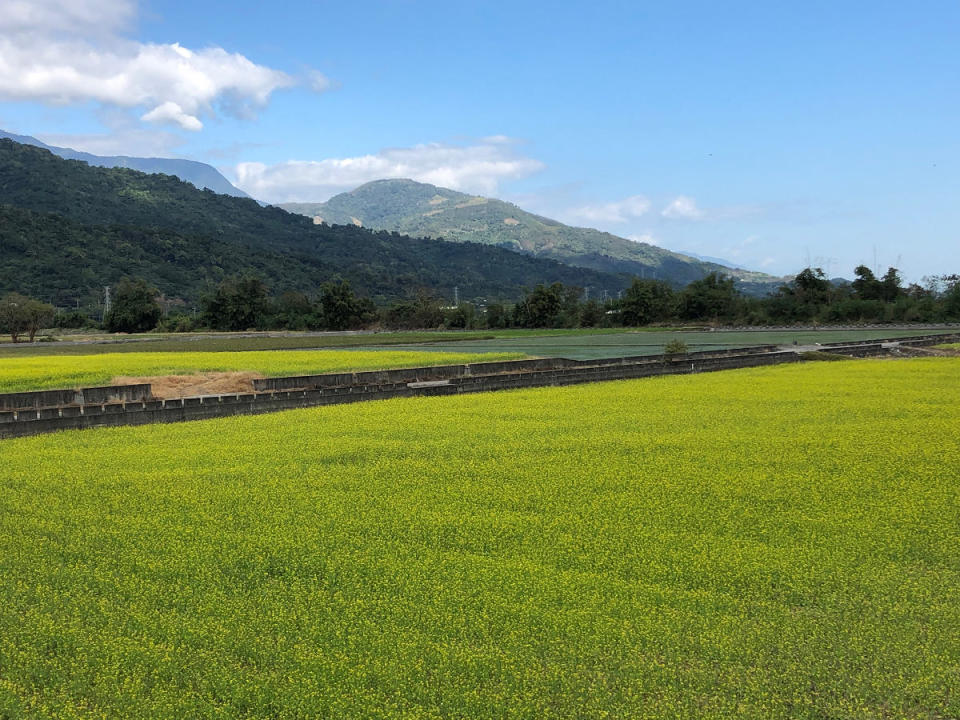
426, 210
69, 228
198, 174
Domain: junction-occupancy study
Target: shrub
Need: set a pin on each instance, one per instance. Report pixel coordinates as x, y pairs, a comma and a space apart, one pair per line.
676, 347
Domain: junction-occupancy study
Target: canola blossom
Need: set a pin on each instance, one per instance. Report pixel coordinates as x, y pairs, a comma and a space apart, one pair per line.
65, 371
777, 542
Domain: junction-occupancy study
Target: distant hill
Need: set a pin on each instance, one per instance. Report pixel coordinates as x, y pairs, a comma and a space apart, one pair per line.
198, 174
67, 229
421, 209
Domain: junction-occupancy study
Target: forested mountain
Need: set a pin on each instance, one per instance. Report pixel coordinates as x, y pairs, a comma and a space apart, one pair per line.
196, 173
68, 228
426, 210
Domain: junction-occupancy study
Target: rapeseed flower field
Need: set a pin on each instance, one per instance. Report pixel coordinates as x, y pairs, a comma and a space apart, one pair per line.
780, 542
65, 371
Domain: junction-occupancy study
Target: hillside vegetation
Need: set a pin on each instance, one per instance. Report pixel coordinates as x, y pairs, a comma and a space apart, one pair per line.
623, 550
69, 228
196, 173
421, 209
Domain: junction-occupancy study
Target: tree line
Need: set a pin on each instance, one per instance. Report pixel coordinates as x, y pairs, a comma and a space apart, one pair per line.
242, 302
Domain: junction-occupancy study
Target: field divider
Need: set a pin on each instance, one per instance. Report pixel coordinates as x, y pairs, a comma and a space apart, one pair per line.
23, 414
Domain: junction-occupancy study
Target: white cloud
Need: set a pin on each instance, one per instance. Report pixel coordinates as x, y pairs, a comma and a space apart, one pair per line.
72, 53
318, 82
499, 140
477, 168
614, 212
83, 17
682, 207
171, 112
644, 238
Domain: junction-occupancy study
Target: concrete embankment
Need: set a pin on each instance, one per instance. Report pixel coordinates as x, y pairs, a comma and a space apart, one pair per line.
48, 411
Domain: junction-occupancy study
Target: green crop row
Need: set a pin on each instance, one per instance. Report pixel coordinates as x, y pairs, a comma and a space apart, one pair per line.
768, 543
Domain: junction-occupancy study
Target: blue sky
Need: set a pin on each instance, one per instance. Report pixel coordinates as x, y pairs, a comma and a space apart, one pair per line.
767, 134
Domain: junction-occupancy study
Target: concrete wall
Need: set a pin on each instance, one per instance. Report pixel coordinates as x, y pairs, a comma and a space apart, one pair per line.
132, 404
78, 396
32, 422
918, 340
447, 372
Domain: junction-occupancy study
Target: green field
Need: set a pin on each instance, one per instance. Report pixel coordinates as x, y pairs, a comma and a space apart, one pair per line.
61, 371
227, 342
768, 543
579, 345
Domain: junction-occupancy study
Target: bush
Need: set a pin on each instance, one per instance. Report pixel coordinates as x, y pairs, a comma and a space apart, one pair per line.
177, 324
134, 309
72, 320
676, 347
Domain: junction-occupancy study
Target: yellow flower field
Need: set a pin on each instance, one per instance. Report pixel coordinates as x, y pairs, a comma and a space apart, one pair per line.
65, 371
780, 542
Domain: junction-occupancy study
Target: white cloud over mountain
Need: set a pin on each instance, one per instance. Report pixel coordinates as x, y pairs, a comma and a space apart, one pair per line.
72, 53
682, 208
476, 168
620, 211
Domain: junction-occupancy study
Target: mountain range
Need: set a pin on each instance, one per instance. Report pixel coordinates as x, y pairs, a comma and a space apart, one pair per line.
198, 174
425, 210
68, 228
421, 209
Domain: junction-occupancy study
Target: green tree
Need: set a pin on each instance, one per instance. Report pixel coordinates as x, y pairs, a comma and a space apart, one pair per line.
951, 297
647, 301
592, 314
20, 314
423, 311
541, 308
866, 286
239, 303
134, 307
498, 316
341, 309
891, 285
462, 317
709, 298
802, 298
294, 311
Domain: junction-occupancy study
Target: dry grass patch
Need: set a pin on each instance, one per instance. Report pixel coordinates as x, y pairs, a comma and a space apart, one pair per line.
166, 387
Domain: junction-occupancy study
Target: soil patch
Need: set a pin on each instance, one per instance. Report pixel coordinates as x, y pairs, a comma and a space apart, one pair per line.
211, 383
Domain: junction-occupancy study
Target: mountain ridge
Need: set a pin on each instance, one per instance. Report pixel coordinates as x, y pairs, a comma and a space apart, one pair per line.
68, 228
421, 209
198, 174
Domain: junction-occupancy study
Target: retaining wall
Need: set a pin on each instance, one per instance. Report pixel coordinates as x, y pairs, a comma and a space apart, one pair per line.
78, 396
133, 405
17, 423
449, 372
919, 340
